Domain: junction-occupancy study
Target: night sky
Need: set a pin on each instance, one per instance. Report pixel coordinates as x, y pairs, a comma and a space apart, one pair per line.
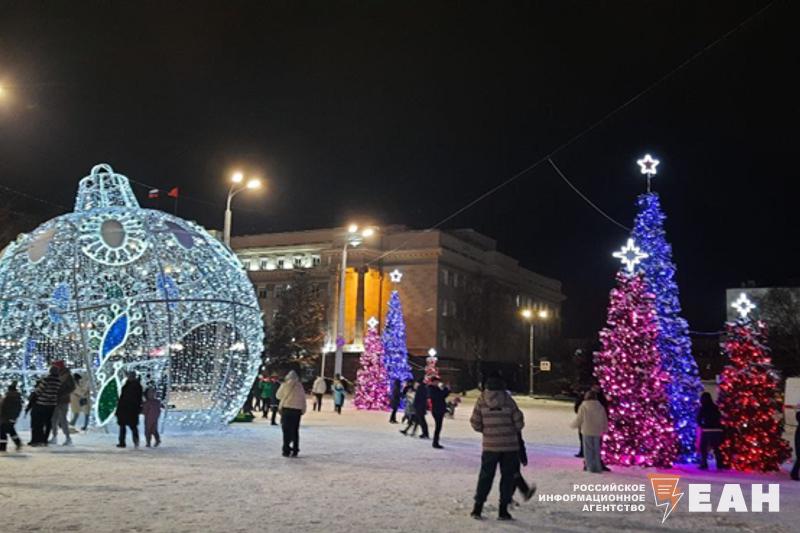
403, 112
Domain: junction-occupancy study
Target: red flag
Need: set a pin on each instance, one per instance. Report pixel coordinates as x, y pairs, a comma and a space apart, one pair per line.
153, 193
173, 193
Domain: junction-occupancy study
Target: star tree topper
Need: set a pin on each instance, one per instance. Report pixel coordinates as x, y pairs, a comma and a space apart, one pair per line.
647, 165
372, 322
743, 305
630, 255
395, 276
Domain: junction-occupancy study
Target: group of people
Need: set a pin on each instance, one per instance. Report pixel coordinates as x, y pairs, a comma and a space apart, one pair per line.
59, 392
417, 396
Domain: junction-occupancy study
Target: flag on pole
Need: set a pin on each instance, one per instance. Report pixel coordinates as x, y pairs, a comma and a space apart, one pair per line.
173, 193
153, 193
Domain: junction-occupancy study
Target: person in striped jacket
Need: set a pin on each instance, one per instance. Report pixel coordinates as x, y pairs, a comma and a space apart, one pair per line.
46, 398
498, 418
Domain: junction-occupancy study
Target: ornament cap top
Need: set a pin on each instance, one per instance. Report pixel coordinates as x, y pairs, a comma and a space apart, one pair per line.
104, 188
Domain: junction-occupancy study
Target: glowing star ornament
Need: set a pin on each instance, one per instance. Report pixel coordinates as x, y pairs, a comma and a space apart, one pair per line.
112, 288
647, 165
395, 276
630, 255
372, 323
743, 306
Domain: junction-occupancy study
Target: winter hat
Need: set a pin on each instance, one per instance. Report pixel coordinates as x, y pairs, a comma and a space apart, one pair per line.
59, 364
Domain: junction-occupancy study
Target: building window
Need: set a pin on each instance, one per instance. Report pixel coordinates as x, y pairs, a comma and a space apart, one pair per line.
280, 263
246, 264
316, 260
453, 309
264, 263
262, 293
298, 261
443, 307
445, 277
443, 340
455, 279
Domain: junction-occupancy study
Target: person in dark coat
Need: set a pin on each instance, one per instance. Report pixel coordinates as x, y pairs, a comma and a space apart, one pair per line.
407, 387
796, 468
10, 408
438, 394
420, 408
710, 421
45, 398
394, 400
128, 409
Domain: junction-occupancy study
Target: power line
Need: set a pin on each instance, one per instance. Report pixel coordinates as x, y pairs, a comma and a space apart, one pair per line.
582, 133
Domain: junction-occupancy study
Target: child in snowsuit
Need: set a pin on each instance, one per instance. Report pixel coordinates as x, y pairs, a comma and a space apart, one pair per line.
10, 408
410, 413
151, 408
338, 394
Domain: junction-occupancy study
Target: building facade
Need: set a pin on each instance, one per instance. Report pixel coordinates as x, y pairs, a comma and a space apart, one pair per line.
460, 295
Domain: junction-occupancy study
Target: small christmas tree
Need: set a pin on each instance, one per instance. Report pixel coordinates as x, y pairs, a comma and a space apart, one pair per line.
395, 352
372, 386
748, 399
431, 371
674, 346
640, 430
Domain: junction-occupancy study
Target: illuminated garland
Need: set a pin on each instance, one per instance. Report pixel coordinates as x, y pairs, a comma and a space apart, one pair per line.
674, 346
748, 400
628, 368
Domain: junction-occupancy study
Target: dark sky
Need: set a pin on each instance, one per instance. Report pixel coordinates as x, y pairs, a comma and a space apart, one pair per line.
405, 111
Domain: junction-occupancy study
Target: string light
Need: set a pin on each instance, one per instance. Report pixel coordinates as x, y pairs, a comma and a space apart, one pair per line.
112, 288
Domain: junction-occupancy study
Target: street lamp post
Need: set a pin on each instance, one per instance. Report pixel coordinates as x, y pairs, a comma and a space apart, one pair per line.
354, 238
530, 317
236, 187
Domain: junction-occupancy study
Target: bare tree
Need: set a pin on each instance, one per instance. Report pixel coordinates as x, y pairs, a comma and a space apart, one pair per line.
780, 309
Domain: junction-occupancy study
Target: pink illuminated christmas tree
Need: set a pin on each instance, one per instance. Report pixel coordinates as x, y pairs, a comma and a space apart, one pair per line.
372, 384
640, 430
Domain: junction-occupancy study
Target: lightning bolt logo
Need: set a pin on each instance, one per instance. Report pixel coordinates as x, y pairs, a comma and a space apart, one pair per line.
665, 492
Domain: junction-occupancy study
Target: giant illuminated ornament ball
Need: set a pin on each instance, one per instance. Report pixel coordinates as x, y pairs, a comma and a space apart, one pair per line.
113, 288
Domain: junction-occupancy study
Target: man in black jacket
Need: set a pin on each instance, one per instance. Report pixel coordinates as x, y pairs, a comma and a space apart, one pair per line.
438, 393
128, 409
394, 401
421, 407
10, 408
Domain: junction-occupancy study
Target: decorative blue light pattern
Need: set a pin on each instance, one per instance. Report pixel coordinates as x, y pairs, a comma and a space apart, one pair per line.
674, 345
395, 352
112, 288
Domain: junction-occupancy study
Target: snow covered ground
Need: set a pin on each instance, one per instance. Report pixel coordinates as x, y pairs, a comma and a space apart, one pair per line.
354, 473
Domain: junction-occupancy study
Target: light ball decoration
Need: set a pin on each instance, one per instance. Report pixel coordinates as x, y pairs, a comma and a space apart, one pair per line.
112, 288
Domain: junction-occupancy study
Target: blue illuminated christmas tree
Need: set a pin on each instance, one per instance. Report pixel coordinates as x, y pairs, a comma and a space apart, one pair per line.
684, 385
395, 353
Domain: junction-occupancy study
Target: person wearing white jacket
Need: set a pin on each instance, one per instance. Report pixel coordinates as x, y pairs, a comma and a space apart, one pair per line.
592, 421
292, 406
319, 389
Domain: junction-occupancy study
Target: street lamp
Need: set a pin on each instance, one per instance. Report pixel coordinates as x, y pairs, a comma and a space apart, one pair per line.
353, 238
531, 316
236, 187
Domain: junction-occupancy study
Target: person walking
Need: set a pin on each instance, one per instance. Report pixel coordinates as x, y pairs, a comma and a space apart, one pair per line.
578, 402
796, 468
273, 401
129, 407
411, 420
318, 388
438, 393
151, 408
709, 419
497, 417
408, 410
79, 401
44, 400
339, 392
10, 408
421, 408
592, 422
66, 386
292, 404
520, 484
266, 394
394, 400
